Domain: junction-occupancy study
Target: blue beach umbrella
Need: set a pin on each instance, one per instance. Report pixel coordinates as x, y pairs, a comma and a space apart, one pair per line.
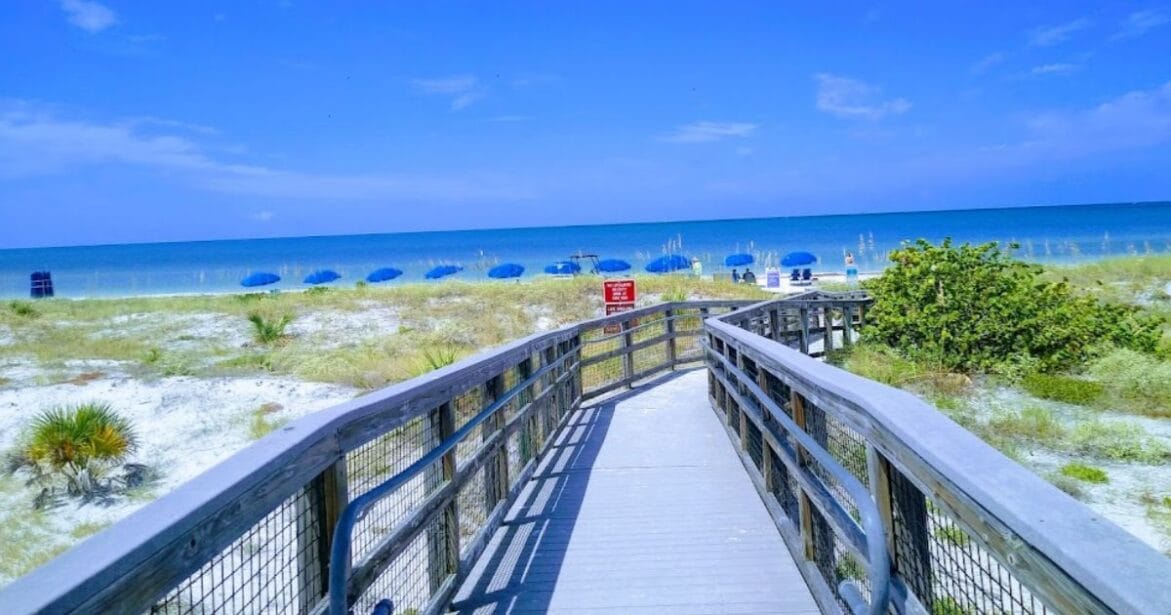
322, 276
612, 265
260, 278
384, 274
738, 260
563, 268
507, 270
442, 271
669, 263
798, 259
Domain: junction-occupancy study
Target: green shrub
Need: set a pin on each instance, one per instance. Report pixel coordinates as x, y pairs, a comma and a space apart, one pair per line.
974, 308
880, 363
1136, 382
79, 444
946, 605
1084, 473
436, 357
261, 425
1063, 388
268, 331
23, 309
1118, 440
1069, 485
1032, 423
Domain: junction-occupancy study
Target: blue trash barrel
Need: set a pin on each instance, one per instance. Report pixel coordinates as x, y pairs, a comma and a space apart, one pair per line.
40, 285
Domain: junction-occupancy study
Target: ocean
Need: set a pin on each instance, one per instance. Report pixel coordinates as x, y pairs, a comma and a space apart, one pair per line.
1060, 234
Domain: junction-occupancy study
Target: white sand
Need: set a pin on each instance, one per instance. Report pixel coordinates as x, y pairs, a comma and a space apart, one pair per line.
185, 426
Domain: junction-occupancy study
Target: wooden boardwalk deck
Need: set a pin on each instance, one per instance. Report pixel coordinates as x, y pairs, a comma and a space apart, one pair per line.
641, 507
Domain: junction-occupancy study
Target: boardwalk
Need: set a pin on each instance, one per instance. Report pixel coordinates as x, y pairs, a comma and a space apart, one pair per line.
642, 507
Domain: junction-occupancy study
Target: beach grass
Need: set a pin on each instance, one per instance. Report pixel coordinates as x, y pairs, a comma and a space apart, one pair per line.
251, 333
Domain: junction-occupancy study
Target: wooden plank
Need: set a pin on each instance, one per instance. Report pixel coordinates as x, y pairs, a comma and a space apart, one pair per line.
628, 353
1029, 527
672, 349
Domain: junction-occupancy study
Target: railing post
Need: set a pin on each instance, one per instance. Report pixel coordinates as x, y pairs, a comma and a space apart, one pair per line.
496, 470
797, 404
627, 356
847, 325
828, 346
317, 515
443, 537
774, 324
766, 451
804, 315
672, 348
525, 439
742, 428
910, 549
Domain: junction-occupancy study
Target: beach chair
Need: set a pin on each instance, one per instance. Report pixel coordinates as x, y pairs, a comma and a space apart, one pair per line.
807, 275
795, 276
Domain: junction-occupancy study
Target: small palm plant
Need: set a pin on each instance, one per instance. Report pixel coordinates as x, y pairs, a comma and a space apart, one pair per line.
268, 331
433, 358
79, 443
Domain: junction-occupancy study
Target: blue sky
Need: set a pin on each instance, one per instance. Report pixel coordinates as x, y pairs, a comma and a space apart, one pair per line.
157, 121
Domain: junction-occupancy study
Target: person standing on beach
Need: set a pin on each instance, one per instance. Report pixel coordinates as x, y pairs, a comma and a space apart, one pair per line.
851, 269
735, 277
696, 267
749, 277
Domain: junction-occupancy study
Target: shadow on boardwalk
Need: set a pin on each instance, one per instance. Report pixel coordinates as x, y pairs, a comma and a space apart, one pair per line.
641, 506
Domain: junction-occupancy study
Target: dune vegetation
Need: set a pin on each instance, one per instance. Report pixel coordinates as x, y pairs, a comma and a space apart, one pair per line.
1065, 369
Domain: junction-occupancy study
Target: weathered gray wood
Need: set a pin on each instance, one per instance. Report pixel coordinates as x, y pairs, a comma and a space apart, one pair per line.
609, 548
672, 349
627, 350
442, 537
1051, 543
628, 353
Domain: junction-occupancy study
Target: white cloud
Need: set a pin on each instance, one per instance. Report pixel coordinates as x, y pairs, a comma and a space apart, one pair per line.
988, 62
846, 97
463, 89
263, 216
1052, 35
1139, 23
1054, 69
704, 132
1140, 118
36, 141
89, 16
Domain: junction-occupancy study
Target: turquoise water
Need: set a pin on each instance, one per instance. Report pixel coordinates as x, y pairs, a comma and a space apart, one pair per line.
1046, 234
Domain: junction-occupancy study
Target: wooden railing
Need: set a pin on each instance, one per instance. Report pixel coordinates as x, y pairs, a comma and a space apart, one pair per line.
255, 533
968, 530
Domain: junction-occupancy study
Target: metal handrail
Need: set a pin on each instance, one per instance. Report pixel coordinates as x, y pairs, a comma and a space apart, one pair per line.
878, 557
339, 558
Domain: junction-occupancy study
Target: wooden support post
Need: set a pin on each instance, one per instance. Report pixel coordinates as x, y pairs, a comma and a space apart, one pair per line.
766, 456
828, 345
774, 324
496, 470
804, 316
847, 325
805, 507
672, 347
908, 507
443, 536
628, 356
317, 515
525, 438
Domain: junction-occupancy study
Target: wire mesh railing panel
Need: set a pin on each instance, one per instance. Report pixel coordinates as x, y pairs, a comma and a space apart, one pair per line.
650, 358
406, 581
377, 461
784, 488
472, 501
596, 342
648, 327
466, 407
275, 567
944, 566
755, 445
